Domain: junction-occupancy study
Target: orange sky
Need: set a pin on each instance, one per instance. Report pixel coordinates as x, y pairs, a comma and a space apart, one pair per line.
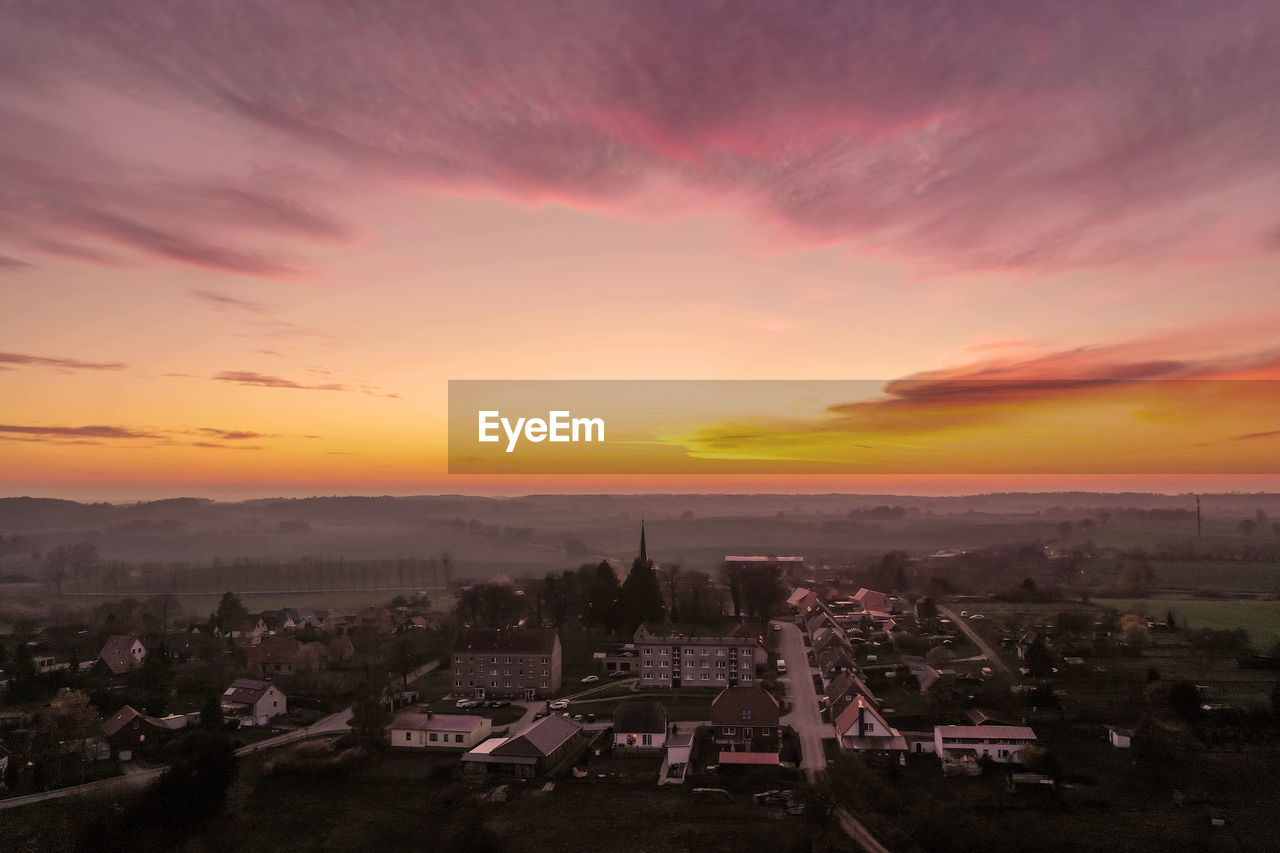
243, 269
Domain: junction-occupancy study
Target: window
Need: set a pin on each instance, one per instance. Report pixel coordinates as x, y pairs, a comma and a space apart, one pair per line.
706, 676
746, 714
408, 736
764, 733
434, 737
457, 738
665, 651
746, 731
719, 676
646, 740
544, 660
493, 659
719, 652
729, 730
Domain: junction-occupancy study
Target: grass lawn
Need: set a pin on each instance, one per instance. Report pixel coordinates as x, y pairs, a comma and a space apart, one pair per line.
1260, 618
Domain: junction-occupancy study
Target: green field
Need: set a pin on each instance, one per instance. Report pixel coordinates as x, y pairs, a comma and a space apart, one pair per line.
1260, 618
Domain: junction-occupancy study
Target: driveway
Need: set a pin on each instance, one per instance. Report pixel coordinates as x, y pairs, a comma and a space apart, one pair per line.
987, 652
804, 717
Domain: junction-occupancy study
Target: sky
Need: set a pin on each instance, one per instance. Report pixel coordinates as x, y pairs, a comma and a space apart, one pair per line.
244, 247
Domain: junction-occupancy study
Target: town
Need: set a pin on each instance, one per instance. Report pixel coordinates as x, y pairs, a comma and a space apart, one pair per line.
785, 697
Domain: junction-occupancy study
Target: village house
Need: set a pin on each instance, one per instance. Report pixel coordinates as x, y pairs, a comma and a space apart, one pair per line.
877, 604
122, 653
639, 727
538, 749
341, 650
425, 730
249, 631
966, 744
861, 726
745, 719
281, 656
1120, 738
802, 600
376, 619
678, 661
253, 702
129, 732
514, 663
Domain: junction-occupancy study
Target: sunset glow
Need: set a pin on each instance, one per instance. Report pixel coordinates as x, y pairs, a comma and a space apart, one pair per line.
237, 265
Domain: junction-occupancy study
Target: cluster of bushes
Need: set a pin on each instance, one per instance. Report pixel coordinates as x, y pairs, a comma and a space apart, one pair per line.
318, 759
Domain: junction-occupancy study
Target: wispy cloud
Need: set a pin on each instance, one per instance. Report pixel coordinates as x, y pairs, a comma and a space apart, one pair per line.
8, 264
231, 435
213, 445
1001, 134
248, 377
111, 432
62, 363
223, 302
1274, 433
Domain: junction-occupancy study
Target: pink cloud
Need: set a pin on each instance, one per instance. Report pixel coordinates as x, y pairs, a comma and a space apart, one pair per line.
1002, 134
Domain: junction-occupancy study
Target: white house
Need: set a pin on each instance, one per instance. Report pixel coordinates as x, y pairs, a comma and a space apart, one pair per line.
861, 726
1120, 738
425, 730
122, 653
253, 702
964, 744
639, 725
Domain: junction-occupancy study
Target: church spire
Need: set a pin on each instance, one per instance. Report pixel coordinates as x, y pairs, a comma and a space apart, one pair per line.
644, 556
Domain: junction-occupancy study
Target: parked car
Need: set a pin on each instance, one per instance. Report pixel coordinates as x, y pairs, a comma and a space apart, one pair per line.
621, 673
467, 703
497, 703
590, 679
559, 704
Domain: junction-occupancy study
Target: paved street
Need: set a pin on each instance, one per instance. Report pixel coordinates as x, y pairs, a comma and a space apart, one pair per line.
804, 716
987, 652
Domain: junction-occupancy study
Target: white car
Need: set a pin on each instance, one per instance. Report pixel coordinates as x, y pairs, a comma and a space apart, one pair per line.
590, 679
560, 704
466, 703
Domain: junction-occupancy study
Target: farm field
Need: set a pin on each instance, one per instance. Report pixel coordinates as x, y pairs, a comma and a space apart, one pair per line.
1260, 618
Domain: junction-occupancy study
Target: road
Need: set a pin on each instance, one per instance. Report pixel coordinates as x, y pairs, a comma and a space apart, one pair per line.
860, 834
804, 718
987, 652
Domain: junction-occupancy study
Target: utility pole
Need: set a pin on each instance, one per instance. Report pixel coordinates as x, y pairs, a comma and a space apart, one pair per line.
1197, 516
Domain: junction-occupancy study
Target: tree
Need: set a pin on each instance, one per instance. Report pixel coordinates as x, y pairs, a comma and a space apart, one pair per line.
939, 656
369, 717
211, 716
194, 788
1247, 526
1135, 630
231, 612
24, 680
640, 599
670, 577
763, 591
1221, 642
601, 591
